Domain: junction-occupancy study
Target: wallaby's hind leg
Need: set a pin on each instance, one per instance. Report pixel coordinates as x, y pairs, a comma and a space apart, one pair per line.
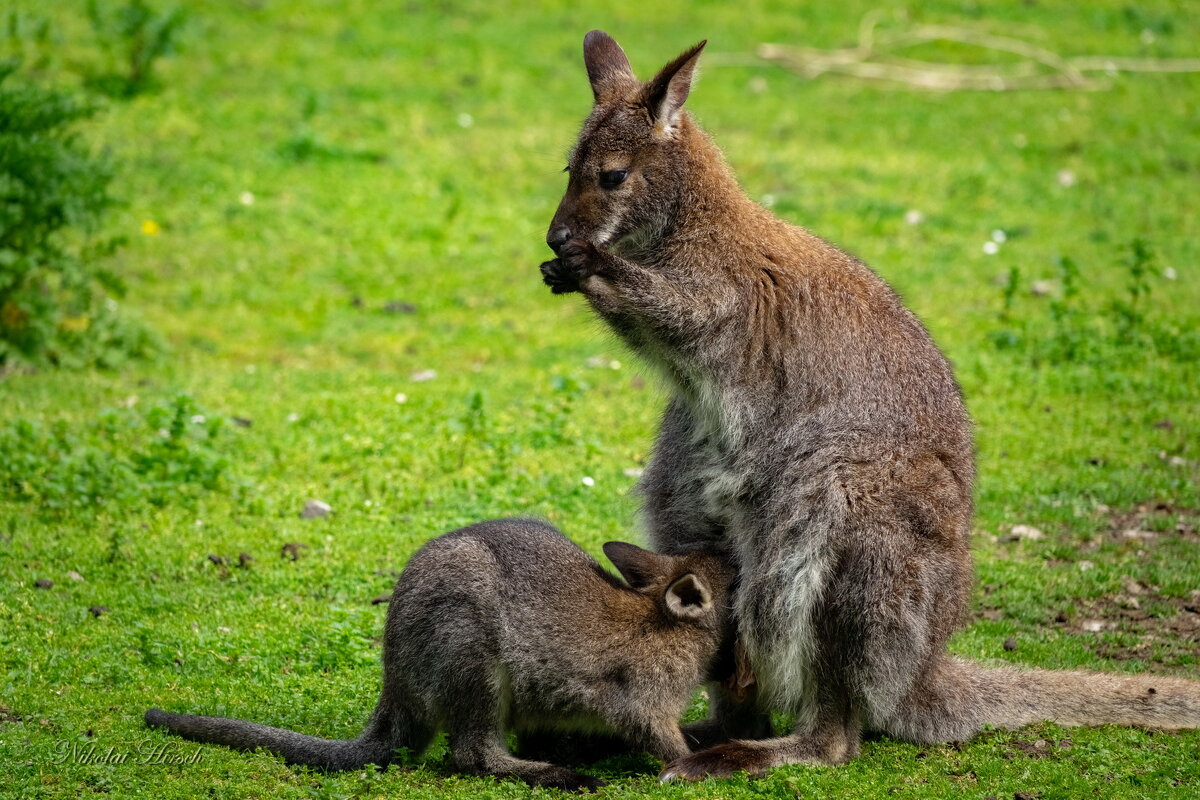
478, 747
833, 739
471, 694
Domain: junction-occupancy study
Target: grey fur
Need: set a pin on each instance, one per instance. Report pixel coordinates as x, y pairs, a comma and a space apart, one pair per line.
507, 625
814, 431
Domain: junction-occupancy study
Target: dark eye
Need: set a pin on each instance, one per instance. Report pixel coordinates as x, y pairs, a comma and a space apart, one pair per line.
613, 178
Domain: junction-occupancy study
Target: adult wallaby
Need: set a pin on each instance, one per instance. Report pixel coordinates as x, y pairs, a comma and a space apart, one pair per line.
814, 431
507, 625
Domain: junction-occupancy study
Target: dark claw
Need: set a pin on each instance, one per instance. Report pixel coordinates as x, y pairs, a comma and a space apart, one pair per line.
560, 280
579, 257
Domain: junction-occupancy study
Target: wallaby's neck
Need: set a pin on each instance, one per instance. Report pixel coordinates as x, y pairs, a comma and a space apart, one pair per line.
713, 206
708, 209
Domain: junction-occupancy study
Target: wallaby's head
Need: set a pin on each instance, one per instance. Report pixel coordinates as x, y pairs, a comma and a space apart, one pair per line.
691, 589
624, 181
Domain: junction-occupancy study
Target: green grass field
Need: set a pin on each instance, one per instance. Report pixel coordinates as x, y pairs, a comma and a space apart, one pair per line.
326, 201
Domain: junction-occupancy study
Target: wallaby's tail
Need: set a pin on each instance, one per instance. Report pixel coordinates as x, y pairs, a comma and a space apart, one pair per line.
376, 745
962, 696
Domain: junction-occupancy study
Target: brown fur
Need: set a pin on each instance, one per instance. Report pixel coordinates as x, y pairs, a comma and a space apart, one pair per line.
507, 625
814, 431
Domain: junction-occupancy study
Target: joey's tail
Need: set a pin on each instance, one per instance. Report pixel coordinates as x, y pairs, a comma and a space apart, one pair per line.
386, 732
961, 696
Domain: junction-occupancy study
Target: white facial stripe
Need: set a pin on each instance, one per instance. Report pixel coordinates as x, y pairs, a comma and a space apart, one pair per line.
606, 232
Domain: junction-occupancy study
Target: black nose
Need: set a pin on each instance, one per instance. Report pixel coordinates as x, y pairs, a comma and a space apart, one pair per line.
557, 237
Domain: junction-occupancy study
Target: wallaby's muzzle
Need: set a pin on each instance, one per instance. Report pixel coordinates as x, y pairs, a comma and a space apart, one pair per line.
557, 236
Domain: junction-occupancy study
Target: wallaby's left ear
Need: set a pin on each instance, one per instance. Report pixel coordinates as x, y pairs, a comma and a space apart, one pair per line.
688, 597
607, 67
665, 94
638, 567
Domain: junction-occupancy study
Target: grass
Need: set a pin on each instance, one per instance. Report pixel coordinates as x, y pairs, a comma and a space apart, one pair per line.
306, 165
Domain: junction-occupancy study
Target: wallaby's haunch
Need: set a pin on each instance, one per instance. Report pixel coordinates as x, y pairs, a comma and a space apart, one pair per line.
814, 431
507, 625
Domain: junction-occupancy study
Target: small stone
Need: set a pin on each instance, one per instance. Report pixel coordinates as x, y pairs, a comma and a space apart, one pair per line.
243, 422
75, 576
421, 376
633, 472
1084, 566
1092, 625
315, 508
43, 583
913, 217
1133, 586
1041, 288
1027, 532
1010, 644
588, 480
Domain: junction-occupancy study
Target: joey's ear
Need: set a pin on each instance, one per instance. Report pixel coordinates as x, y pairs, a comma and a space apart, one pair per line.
665, 94
607, 67
689, 597
637, 566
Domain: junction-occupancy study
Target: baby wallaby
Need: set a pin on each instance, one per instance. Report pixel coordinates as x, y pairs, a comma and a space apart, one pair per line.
508, 625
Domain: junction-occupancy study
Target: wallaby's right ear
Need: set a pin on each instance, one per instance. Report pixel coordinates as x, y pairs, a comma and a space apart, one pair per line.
689, 597
666, 92
638, 567
607, 67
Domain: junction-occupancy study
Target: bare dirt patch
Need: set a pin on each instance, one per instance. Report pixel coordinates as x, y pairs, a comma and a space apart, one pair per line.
1168, 628
1147, 523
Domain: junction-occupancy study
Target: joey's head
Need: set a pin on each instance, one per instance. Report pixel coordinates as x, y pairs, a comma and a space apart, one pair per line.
690, 592
625, 181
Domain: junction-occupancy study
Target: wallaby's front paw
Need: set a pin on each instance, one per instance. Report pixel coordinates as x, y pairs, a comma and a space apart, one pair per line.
580, 258
560, 280
577, 259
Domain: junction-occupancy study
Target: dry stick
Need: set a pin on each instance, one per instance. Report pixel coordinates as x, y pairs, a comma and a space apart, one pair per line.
857, 61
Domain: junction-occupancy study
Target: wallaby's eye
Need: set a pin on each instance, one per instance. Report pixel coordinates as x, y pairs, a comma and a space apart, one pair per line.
613, 178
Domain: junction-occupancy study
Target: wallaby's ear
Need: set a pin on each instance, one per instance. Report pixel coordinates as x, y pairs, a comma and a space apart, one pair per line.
607, 67
637, 566
665, 94
689, 597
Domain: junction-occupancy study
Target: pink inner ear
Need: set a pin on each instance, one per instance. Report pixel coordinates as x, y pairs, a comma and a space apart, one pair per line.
667, 92
688, 597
